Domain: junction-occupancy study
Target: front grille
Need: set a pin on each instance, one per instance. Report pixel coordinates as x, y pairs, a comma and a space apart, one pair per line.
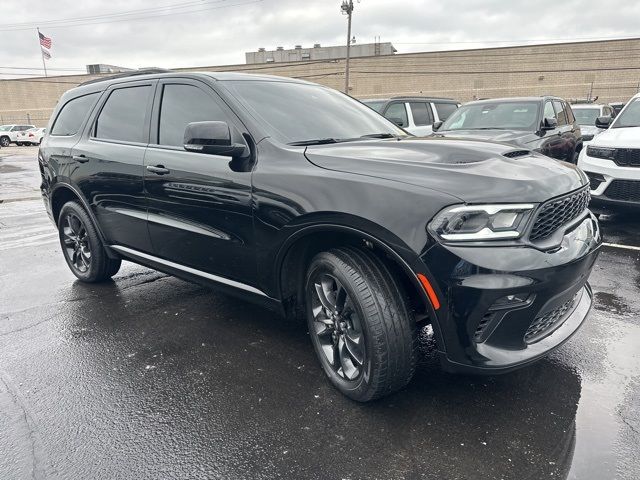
543, 324
516, 153
555, 213
628, 190
627, 157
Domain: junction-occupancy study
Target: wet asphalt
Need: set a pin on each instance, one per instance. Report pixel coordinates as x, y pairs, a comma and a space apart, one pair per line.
149, 376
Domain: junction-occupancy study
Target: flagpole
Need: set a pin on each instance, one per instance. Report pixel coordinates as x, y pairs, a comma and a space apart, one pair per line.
42, 53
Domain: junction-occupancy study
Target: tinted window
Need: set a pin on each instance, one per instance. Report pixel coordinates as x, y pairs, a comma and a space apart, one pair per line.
499, 116
421, 113
72, 115
376, 105
182, 104
397, 113
445, 110
122, 117
296, 112
560, 112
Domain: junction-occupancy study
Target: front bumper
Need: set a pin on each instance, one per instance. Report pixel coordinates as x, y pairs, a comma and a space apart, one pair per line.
612, 186
506, 307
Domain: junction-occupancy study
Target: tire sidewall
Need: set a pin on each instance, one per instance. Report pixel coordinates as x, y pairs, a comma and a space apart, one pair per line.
356, 389
94, 242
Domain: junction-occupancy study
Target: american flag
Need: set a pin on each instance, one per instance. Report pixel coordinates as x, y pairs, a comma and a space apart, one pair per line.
45, 53
44, 41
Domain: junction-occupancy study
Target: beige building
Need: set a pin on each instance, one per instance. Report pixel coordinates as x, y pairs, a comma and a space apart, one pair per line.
608, 69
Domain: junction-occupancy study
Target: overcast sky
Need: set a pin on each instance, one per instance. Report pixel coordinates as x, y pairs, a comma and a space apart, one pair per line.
218, 32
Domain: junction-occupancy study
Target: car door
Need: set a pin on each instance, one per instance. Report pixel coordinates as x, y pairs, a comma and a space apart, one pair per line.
199, 205
422, 118
567, 130
109, 159
551, 142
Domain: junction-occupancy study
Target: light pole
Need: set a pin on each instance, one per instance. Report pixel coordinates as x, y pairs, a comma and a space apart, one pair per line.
347, 9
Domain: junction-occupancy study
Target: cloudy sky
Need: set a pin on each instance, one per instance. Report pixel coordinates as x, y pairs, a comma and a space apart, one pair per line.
183, 33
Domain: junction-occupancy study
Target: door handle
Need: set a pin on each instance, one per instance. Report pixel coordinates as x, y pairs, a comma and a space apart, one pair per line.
158, 169
80, 158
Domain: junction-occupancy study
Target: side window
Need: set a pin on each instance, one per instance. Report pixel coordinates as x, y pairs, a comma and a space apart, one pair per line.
183, 104
397, 113
15, 128
421, 113
570, 117
560, 112
549, 112
445, 109
72, 115
123, 115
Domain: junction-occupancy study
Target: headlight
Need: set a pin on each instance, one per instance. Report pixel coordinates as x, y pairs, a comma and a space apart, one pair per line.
481, 222
601, 152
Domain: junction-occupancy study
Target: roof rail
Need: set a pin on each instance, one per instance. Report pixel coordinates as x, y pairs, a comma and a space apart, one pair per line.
146, 71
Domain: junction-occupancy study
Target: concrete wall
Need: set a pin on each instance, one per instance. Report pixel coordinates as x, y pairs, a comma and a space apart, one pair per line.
610, 69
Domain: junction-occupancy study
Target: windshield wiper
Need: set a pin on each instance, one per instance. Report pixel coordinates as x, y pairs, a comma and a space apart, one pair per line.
317, 141
379, 135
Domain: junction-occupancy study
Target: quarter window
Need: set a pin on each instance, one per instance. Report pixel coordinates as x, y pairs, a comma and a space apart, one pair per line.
397, 113
445, 109
73, 114
123, 116
183, 104
560, 112
421, 113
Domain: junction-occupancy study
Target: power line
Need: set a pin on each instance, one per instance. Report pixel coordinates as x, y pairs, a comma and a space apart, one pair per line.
146, 17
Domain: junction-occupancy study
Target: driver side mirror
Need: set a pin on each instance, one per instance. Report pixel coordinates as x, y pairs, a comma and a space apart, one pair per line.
603, 122
436, 125
213, 138
549, 123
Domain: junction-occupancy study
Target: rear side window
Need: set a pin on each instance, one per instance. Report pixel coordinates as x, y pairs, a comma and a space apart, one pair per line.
72, 115
123, 116
421, 113
183, 104
569, 110
397, 113
445, 109
560, 112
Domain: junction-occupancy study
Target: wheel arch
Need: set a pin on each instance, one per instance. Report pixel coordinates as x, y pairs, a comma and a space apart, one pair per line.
297, 251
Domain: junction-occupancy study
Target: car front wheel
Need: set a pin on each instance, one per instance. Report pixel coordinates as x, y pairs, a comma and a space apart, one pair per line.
81, 245
4, 141
360, 323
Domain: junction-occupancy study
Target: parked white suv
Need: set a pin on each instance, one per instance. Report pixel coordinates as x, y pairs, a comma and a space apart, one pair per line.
612, 160
33, 136
415, 114
586, 115
9, 133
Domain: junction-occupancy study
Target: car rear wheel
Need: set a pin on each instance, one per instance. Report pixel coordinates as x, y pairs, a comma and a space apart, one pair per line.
19, 144
360, 324
81, 245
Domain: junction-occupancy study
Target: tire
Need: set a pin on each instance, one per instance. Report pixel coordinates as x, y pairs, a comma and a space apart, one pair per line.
5, 141
19, 144
370, 330
81, 245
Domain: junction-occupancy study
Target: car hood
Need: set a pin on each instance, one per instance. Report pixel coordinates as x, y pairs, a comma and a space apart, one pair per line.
473, 171
628, 137
590, 130
515, 137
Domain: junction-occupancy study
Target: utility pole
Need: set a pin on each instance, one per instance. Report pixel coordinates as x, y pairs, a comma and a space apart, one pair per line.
347, 9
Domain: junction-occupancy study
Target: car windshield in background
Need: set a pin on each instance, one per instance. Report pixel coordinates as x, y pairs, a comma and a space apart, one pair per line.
376, 105
586, 116
301, 113
5, 128
629, 117
490, 116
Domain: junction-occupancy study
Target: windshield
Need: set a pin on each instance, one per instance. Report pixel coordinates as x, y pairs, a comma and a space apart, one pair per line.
377, 105
630, 116
5, 128
500, 116
298, 112
586, 116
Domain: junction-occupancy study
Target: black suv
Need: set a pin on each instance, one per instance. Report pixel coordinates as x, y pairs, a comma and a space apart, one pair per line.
301, 198
542, 124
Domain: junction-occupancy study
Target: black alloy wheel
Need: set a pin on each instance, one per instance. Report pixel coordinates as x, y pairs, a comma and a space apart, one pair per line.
337, 326
5, 142
360, 323
82, 247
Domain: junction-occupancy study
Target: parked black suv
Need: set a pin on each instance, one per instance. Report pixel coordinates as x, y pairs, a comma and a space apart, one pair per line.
542, 124
299, 197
